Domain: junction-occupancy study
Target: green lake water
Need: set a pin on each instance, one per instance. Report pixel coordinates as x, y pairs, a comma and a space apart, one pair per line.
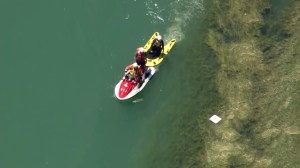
59, 63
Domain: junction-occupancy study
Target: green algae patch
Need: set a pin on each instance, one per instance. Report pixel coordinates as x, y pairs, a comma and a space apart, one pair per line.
253, 84
259, 81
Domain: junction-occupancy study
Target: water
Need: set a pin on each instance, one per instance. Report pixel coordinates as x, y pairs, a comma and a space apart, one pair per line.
59, 63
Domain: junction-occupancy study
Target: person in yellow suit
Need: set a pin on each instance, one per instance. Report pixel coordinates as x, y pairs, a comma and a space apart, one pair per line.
134, 72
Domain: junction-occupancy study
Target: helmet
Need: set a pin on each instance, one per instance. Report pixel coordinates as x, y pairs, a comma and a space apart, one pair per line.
135, 65
140, 49
158, 37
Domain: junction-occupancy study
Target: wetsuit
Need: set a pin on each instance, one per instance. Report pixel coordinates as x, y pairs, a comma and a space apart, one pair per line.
155, 50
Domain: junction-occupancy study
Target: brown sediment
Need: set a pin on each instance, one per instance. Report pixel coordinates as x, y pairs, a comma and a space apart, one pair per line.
259, 78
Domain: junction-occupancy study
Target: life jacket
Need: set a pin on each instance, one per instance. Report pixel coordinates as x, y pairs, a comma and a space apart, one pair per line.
132, 71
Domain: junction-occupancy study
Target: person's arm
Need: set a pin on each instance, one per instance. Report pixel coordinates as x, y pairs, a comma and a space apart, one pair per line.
151, 46
152, 43
128, 67
162, 45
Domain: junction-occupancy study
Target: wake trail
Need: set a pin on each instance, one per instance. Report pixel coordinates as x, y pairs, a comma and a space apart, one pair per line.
182, 13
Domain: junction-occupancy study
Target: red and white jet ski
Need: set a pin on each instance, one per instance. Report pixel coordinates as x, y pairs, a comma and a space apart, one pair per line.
127, 88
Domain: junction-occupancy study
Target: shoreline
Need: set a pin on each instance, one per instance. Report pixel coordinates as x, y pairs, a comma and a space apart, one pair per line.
251, 81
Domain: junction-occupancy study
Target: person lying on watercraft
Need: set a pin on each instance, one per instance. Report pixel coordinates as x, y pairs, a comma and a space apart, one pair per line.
157, 47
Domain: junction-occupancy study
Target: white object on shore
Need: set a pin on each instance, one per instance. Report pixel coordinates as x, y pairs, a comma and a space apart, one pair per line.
215, 119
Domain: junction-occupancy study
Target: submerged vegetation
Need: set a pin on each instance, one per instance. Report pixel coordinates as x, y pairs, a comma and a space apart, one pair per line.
259, 78
255, 89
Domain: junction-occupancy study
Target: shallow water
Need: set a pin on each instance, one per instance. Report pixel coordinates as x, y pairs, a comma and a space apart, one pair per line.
59, 62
